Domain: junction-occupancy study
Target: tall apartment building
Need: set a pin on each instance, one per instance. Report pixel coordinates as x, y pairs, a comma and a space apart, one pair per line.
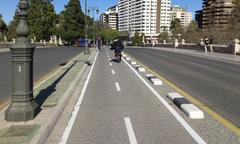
144, 16
198, 18
216, 13
182, 14
111, 17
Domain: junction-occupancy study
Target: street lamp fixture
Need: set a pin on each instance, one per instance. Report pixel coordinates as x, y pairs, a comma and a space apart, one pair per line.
22, 107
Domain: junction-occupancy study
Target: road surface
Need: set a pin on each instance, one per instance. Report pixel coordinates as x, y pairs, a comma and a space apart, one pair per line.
45, 60
213, 82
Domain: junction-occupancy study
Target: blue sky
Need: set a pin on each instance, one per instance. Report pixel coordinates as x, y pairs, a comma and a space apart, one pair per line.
7, 7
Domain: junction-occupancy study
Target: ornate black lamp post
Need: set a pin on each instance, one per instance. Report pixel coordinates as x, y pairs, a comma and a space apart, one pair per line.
23, 107
86, 50
94, 9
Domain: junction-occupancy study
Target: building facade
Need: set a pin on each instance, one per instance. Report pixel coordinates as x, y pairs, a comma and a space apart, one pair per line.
181, 14
111, 17
149, 17
216, 13
198, 18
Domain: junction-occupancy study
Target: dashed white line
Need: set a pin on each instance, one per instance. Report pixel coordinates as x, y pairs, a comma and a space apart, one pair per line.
113, 72
68, 129
187, 127
130, 131
117, 86
110, 64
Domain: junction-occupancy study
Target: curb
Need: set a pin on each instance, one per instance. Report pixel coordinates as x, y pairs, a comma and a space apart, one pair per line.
47, 127
153, 79
183, 104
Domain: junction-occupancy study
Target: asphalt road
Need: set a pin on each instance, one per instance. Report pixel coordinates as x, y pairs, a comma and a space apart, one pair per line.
45, 60
215, 83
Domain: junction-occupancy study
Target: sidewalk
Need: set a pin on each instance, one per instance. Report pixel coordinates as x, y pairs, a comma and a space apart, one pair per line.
52, 94
119, 105
211, 55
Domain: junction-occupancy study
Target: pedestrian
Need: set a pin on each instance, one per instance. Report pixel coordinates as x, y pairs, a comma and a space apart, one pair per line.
206, 41
99, 44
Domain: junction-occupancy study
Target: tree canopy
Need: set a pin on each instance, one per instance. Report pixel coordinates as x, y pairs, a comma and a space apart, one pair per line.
138, 39
42, 19
109, 34
3, 28
71, 21
176, 27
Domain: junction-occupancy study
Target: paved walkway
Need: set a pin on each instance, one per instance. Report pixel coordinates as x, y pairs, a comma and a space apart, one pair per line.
213, 55
119, 106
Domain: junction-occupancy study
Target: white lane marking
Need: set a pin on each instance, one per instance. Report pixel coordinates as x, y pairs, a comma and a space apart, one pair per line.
110, 64
130, 131
68, 129
117, 86
113, 72
188, 128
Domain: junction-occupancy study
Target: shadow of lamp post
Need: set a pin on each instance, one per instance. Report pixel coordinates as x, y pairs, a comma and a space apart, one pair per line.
23, 107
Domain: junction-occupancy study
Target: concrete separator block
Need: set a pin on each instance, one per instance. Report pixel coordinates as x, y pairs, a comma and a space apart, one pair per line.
180, 101
127, 58
174, 95
141, 69
156, 81
124, 55
136, 66
192, 111
149, 75
133, 63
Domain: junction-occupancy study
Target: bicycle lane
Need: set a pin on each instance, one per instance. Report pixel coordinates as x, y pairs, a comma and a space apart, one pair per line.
118, 108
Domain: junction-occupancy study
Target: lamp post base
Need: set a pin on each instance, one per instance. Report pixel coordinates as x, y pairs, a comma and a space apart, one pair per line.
21, 111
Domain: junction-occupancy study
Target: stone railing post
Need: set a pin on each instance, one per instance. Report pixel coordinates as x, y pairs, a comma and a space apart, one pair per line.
176, 44
164, 41
201, 42
183, 42
236, 46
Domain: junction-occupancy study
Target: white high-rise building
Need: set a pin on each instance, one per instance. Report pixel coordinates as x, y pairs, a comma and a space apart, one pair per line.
181, 13
111, 17
144, 16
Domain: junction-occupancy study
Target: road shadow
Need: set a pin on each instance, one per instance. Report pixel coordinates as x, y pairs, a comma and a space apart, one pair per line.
45, 93
115, 60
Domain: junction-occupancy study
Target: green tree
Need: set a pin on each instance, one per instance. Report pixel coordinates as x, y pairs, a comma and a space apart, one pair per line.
138, 39
176, 27
109, 34
11, 33
3, 28
163, 36
192, 34
72, 21
42, 19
